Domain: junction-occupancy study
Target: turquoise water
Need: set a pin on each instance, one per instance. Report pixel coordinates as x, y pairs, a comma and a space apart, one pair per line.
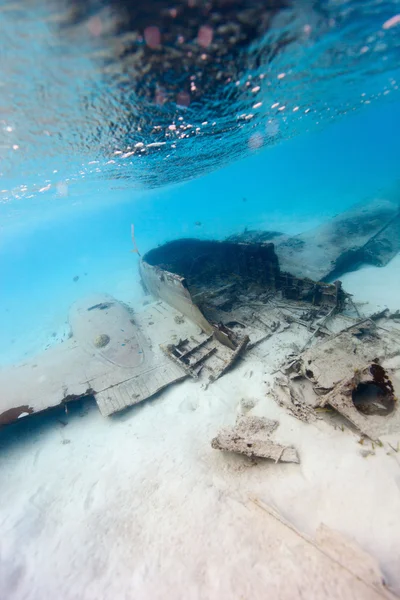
290, 187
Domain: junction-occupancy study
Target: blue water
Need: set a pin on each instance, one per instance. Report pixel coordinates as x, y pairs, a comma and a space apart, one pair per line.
290, 187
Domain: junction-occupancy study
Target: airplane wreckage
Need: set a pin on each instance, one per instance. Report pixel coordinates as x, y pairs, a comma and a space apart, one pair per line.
215, 301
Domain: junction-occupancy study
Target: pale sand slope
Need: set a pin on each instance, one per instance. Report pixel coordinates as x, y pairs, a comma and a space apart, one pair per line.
140, 506
379, 286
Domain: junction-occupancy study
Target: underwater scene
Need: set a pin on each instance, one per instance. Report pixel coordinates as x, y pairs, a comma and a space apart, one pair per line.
199, 299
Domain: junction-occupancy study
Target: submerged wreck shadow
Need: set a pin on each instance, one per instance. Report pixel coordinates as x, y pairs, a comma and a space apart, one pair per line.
40, 424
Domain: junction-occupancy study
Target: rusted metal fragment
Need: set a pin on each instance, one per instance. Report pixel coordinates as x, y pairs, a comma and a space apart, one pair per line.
251, 436
367, 399
355, 371
337, 357
241, 347
288, 395
207, 355
317, 293
191, 356
12, 414
172, 288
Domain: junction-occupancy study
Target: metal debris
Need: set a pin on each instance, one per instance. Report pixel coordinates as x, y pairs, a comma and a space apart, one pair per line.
355, 371
208, 355
364, 398
291, 397
251, 436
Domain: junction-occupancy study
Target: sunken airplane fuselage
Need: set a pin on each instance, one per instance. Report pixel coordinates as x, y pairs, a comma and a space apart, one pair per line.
228, 290
210, 280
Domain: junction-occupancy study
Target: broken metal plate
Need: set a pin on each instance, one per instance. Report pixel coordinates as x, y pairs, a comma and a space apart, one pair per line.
207, 355
356, 372
368, 400
337, 357
107, 356
251, 436
172, 288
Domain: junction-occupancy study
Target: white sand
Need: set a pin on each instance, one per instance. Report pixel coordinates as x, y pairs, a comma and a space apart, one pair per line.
140, 506
379, 287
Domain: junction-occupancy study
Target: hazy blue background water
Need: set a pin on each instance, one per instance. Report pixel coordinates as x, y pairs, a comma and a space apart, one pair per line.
48, 241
